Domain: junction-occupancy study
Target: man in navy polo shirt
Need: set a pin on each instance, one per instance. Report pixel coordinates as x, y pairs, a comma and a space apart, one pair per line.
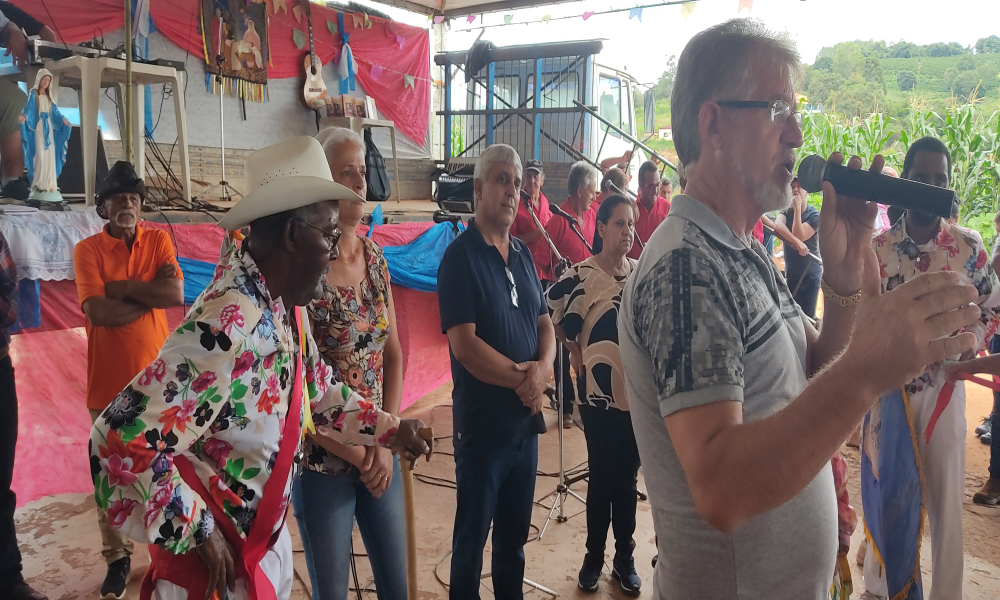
502, 346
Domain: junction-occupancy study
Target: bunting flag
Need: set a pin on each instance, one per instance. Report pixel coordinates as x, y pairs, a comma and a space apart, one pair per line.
507, 19
408, 81
299, 38
635, 12
747, 4
546, 19
687, 9
438, 19
332, 28
276, 4
400, 40
376, 72
470, 18
235, 41
297, 13
588, 14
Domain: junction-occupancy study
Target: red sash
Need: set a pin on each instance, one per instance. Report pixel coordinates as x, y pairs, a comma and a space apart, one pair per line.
188, 570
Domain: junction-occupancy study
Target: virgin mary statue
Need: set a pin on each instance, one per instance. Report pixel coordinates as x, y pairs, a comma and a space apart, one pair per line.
45, 139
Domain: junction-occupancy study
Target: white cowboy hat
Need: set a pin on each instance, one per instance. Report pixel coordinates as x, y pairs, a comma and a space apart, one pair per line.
288, 175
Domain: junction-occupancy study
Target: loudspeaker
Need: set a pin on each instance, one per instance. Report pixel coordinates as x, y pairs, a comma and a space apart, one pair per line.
71, 178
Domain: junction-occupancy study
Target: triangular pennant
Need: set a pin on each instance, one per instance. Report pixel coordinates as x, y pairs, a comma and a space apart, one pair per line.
438, 19
546, 18
276, 4
408, 81
331, 27
368, 21
358, 21
637, 13
507, 19
297, 13
470, 18
588, 14
376, 72
687, 9
747, 4
400, 40
299, 38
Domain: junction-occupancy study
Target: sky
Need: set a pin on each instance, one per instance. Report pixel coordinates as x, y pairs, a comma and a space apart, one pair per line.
642, 48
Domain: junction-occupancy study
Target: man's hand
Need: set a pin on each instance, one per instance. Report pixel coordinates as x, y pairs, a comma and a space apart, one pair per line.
377, 474
536, 379
846, 226
801, 248
15, 43
217, 554
166, 271
899, 333
411, 440
22, 119
560, 269
117, 290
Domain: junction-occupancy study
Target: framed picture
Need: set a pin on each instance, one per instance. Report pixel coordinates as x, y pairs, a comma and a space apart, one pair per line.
360, 108
335, 108
349, 110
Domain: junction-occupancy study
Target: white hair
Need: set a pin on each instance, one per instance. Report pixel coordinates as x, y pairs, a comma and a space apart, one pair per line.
496, 154
720, 61
331, 136
580, 174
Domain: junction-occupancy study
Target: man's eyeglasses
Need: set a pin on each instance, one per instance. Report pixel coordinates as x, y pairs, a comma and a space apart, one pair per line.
331, 237
780, 110
513, 286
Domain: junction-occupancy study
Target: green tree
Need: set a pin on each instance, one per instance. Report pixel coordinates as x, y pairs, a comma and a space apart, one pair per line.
906, 80
966, 63
857, 99
966, 83
821, 85
873, 71
941, 49
665, 85
848, 61
988, 45
905, 50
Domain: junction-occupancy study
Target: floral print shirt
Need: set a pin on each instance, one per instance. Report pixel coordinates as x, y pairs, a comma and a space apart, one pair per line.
217, 393
351, 328
954, 248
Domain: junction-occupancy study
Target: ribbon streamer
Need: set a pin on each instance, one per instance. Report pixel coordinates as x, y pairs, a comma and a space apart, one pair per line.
345, 68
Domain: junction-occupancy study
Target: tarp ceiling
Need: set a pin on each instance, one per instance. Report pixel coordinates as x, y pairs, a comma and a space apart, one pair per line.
459, 8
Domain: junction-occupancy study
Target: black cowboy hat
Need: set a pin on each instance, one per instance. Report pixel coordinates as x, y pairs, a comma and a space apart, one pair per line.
121, 179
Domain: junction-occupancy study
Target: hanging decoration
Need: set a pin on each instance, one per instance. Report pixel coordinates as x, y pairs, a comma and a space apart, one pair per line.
362, 21
507, 19
236, 47
376, 72
546, 19
299, 38
345, 67
687, 9
276, 4
331, 27
747, 4
470, 18
438, 19
588, 14
408, 81
635, 12
400, 40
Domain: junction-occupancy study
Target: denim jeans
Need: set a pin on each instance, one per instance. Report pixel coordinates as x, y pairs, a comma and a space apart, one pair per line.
325, 509
495, 486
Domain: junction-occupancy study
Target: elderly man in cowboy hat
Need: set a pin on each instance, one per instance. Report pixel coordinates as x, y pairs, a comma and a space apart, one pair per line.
126, 276
195, 456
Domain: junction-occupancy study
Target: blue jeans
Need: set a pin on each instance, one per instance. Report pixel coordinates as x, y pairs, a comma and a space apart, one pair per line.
495, 486
325, 509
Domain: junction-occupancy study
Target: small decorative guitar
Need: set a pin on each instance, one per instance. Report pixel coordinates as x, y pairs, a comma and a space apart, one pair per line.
314, 91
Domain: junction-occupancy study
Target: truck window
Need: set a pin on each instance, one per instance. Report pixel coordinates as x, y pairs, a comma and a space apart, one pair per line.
507, 88
560, 95
609, 103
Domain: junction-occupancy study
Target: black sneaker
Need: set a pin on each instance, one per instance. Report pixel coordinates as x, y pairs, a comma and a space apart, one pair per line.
986, 427
18, 189
23, 591
623, 569
590, 572
117, 579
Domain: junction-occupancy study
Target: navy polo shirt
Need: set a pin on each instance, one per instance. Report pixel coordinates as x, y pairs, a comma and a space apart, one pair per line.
473, 288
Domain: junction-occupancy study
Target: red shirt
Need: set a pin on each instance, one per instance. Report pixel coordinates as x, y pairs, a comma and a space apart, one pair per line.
523, 224
648, 221
758, 231
566, 241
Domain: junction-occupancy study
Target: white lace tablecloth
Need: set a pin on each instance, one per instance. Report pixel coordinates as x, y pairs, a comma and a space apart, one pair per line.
42, 242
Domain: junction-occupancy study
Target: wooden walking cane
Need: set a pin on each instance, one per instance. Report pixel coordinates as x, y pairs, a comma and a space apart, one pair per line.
406, 467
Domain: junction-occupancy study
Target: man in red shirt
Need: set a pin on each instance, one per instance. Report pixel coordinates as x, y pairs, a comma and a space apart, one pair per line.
653, 208
524, 226
575, 218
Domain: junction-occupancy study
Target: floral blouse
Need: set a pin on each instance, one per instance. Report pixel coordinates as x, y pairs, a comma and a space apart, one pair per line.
351, 328
954, 248
218, 393
585, 303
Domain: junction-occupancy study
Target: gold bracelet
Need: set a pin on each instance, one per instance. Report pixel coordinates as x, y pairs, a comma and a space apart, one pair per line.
852, 300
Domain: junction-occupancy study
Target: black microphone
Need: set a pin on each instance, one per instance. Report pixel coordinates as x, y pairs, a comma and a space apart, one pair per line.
904, 193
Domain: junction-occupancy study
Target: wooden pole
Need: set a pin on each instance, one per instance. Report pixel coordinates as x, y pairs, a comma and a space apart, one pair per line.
411, 531
127, 139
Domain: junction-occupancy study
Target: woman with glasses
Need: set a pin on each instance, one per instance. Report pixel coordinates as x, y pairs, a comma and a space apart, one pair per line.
584, 306
354, 325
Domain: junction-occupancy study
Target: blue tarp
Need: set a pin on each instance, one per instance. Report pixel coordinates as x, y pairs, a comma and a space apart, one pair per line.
415, 265
29, 307
197, 276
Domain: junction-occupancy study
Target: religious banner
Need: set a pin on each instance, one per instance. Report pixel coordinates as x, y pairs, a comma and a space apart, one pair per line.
236, 47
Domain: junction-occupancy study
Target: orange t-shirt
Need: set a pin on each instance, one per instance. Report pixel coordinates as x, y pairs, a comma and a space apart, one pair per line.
115, 355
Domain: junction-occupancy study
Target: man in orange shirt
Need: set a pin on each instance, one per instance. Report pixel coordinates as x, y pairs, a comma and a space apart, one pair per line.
125, 276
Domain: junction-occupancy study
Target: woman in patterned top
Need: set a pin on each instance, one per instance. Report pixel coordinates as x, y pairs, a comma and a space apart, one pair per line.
354, 325
584, 306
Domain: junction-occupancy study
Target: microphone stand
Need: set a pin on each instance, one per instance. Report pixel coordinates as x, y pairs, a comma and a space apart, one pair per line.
560, 494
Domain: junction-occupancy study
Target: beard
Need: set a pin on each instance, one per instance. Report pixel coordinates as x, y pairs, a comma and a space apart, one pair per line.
126, 219
765, 191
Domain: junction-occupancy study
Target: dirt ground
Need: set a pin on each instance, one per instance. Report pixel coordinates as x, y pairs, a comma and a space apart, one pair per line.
61, 544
